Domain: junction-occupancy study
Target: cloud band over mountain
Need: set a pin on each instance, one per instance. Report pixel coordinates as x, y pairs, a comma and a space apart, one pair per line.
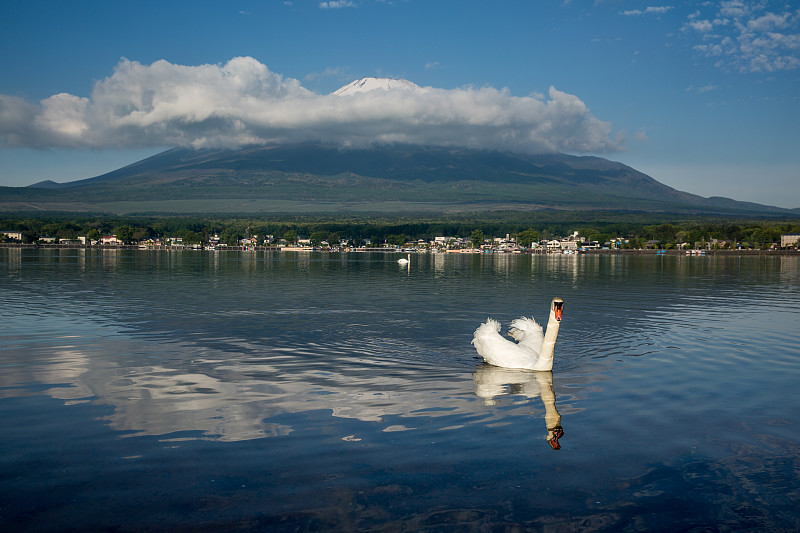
242, 102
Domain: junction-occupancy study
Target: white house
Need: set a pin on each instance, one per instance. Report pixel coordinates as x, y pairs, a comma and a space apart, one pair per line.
109, 240
13, 235
789, 239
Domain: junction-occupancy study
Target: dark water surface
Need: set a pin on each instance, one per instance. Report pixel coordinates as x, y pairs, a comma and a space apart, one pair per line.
193, 391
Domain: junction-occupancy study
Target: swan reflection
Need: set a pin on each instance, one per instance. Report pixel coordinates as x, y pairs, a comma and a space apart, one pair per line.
493, 381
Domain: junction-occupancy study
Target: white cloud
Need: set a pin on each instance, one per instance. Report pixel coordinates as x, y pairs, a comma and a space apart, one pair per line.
768, 22
748, 36
700, 25
735, 9
701, 90
329, 72
651, 10
336, 4
242, 102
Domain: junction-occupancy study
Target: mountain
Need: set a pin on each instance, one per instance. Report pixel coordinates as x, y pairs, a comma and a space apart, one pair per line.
316, 178
370, 84
46, 184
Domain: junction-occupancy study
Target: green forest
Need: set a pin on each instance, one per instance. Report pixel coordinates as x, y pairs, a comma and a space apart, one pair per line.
663, 231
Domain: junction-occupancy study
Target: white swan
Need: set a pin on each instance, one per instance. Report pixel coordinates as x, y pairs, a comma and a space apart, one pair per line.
533, 349
404, 261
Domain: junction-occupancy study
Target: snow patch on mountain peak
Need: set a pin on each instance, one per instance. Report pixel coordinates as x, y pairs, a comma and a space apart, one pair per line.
371, 84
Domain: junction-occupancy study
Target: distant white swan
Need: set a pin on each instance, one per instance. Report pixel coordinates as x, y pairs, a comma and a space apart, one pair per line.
404, 260
533, 349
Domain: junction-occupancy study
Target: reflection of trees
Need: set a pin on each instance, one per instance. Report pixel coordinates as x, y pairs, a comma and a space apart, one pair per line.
492, 381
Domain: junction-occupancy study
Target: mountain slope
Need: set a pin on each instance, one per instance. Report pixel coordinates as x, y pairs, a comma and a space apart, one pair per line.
314, 178
370, 84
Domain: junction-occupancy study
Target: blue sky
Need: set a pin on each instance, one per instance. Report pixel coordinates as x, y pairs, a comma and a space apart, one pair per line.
704, 97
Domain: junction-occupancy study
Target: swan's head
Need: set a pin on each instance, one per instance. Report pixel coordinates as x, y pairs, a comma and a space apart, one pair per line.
557, 307
553, 435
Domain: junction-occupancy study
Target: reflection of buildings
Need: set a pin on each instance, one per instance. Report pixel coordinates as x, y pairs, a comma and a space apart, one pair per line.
503, 264
439, 264
13, 259
110, 258
790, 269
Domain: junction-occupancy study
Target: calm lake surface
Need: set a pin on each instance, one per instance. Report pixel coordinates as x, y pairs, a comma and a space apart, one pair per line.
193, 391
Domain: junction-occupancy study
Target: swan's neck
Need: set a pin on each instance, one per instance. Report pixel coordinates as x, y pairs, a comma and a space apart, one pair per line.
549, 344
551, 415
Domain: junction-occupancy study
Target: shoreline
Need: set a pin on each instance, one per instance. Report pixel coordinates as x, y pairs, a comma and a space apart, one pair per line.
682, 253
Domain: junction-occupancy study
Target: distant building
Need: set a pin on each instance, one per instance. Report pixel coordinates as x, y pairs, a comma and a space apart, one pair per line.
12, 235
790, 239
110, 240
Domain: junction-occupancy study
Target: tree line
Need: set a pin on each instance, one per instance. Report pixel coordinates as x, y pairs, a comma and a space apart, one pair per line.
357, 230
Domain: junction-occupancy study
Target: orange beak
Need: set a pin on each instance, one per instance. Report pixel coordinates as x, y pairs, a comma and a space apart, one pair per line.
557, 434
557, 309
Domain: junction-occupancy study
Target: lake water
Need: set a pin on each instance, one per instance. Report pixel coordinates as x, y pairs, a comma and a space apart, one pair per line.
200, 391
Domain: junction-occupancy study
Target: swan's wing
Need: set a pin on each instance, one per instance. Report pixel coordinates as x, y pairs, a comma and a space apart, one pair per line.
527, 332
499, 351
487, 330
487, 339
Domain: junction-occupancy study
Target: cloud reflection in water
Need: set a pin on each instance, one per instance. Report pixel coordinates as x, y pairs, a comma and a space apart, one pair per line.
231, 397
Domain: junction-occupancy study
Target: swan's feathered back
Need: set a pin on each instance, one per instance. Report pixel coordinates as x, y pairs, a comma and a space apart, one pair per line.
533, 350
498, 351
